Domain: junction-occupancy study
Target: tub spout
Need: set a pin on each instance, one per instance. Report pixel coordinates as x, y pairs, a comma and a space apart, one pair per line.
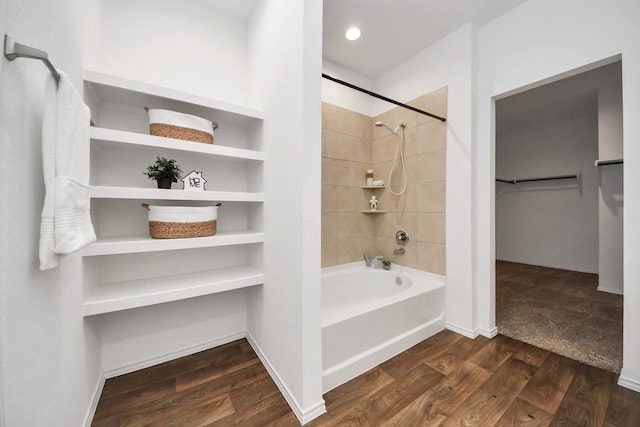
398, 251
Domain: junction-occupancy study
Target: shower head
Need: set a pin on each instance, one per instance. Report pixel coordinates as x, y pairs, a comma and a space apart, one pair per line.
393, 131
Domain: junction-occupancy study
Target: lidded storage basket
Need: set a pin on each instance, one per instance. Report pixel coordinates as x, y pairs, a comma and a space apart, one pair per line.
176, 222
171, 124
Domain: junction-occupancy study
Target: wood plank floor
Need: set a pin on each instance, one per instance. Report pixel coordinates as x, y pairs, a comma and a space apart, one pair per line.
447, 380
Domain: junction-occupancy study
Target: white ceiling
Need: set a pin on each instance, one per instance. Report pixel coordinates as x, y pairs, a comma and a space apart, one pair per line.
395, 30
569, 97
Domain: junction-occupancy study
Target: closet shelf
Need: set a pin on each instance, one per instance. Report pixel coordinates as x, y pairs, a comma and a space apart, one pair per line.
118, 90
113, 136
137, 244
110, 297
542, 178
609, 162
111, 192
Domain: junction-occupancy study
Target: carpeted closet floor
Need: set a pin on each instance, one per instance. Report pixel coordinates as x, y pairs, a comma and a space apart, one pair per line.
561, 311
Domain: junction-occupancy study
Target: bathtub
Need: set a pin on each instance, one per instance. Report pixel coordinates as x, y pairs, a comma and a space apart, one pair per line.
369, 316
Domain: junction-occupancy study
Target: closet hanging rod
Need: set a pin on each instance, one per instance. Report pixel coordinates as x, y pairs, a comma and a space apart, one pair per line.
13, 50
384, 98
609, 162
544, 178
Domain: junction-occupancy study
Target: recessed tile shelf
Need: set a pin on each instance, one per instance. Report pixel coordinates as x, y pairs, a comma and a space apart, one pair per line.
110, 297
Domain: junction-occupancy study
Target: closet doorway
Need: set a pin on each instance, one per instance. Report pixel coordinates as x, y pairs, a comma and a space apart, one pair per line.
558, 214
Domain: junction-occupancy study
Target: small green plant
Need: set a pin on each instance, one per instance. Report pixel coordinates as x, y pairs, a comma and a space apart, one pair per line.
164, 168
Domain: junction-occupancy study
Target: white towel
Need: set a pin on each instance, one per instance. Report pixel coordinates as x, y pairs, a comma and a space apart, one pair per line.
66, 221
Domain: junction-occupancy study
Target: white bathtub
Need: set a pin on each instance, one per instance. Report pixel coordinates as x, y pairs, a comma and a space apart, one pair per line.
369, 316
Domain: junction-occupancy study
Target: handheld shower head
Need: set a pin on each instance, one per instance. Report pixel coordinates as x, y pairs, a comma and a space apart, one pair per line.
383, 124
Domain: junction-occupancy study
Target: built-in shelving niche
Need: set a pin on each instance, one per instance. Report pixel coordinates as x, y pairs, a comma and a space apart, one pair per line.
126, 268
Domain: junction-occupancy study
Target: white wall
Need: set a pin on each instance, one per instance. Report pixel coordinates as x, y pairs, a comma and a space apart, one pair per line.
538, 41
610, 263
284, 315
342, 96
549, 223
49, 357
185, 45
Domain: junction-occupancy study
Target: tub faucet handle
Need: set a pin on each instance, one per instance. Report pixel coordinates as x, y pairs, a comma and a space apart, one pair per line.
402, 238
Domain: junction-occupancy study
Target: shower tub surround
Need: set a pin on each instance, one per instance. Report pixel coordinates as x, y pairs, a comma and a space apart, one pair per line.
370, 315
351, 144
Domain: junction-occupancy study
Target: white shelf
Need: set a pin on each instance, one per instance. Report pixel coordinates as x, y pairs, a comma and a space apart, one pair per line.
373, 212
113, 136
136, 244
118, 90
110, 192
107, 298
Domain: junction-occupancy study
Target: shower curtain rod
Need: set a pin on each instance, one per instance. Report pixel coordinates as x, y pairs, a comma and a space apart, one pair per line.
384, 98
13, 50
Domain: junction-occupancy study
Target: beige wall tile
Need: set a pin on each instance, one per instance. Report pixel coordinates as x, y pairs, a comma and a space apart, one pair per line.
345, 200
346, 147
431, 136
329, 249
431, 228
329, 117
329, 227
329, 143
431, 197
329, 171
328, 198
431, 257
384, 148
411, 146
426, 167
433, 102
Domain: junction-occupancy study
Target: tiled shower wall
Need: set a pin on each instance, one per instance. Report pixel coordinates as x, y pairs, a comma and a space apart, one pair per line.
350, 145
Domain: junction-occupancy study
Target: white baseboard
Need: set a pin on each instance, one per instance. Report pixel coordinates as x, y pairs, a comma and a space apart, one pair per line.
610, 290
94, 402
186, 351
489, 333
462, 331
628, 382
473, 334
304, 416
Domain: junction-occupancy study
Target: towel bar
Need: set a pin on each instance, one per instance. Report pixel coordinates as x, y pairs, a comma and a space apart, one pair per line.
13, 50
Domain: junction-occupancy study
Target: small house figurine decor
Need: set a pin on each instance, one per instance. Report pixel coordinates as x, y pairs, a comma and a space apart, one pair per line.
193, 181
164, 171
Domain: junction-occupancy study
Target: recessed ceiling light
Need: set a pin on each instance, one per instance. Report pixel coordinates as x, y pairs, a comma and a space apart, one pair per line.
353, 33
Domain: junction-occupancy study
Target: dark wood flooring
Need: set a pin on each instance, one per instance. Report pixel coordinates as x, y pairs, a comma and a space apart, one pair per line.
447, 380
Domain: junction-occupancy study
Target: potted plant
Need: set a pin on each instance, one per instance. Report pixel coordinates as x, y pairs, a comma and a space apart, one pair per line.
164, 171
386, 264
